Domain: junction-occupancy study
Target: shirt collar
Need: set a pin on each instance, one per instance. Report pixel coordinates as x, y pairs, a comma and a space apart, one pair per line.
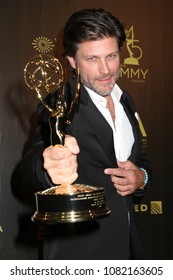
116, 93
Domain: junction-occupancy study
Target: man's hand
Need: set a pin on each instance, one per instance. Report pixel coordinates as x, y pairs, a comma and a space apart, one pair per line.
127, 178
61, 161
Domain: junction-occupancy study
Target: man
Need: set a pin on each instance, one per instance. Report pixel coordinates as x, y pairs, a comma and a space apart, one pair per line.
103, 145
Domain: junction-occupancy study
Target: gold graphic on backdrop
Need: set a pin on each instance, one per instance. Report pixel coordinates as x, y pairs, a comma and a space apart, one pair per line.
43, 44
142, 129
156, 207
130, 68
135, 52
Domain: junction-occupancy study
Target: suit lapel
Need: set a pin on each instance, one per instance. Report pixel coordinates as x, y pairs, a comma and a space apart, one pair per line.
97, 122
130, 112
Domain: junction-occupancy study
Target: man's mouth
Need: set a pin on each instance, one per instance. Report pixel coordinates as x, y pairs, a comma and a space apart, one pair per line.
104, 79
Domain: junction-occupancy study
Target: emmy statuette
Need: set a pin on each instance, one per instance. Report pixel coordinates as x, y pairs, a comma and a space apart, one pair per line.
63, 203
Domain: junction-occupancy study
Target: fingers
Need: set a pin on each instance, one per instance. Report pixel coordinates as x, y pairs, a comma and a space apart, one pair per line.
123, 193
67, 176
60, 161
123, 185
124, 178
126, 164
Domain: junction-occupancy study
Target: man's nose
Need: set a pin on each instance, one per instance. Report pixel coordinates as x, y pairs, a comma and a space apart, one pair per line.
103, 67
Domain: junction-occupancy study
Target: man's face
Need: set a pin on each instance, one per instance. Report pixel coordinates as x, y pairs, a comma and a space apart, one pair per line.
98, 63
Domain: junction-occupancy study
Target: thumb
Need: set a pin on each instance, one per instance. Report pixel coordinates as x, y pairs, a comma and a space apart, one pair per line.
122, 164
125, 164
71, 144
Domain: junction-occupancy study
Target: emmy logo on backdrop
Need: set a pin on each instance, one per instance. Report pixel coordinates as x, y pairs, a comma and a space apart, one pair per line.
63, 203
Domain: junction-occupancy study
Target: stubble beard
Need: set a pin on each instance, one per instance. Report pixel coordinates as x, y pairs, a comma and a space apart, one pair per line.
102, 92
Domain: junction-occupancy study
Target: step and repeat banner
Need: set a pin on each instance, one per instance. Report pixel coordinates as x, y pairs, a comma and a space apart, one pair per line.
28, 27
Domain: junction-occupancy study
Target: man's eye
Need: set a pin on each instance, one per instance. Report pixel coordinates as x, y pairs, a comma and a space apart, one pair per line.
91, 58
112, 56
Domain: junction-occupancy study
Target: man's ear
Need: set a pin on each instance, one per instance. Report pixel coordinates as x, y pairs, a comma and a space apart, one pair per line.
72, 61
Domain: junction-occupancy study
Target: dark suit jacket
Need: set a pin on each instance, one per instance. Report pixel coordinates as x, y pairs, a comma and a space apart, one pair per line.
113, 237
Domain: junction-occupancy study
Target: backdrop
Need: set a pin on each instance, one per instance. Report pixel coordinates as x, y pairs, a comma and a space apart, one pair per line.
28, 27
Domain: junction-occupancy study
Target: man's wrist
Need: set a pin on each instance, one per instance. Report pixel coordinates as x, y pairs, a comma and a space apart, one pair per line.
145, 179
